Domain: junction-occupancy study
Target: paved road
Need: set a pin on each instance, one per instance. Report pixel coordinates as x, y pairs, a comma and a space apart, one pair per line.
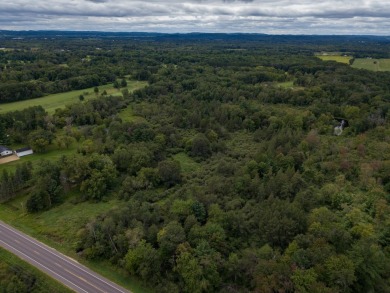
60, 267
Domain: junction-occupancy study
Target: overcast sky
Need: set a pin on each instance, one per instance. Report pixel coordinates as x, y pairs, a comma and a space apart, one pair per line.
170, 16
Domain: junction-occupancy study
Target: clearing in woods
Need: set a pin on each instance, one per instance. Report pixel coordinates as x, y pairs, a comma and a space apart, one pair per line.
54, 101
338, 58
372, 64
359, 63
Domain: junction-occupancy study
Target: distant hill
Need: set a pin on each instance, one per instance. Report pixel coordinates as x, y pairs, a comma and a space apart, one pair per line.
192, 36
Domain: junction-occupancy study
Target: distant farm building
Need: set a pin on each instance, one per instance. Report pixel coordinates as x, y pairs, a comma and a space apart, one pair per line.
24, 152
4, 151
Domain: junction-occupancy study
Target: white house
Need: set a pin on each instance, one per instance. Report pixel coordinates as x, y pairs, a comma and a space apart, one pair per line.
24, 152
5, 151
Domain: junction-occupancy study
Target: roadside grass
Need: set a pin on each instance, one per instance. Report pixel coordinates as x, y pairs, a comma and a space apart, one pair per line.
52, 102
337, 58
119, 276
43, 282
372, 64
187, 164
59, 226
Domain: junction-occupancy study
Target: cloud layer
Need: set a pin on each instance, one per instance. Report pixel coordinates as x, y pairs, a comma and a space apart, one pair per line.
247, 16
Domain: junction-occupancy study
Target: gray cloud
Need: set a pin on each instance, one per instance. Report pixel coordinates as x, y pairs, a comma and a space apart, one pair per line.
97, 1
252, 16
231, 1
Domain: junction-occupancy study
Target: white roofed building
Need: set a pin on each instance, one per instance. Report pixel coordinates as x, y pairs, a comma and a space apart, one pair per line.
24, 152
4, 151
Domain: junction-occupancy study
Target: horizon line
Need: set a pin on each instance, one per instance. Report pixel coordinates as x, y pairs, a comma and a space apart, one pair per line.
192, 32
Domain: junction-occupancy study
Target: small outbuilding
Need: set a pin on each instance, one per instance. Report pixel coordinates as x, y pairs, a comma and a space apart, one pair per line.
24, 152
4, 151
343, 122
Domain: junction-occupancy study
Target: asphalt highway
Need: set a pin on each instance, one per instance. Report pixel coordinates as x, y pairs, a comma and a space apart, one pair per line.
62, 268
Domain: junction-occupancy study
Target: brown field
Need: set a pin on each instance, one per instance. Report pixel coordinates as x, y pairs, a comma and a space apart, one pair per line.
9, 159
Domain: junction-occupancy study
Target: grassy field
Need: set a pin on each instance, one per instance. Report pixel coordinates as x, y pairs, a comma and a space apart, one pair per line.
58, 226
52, 102
337, 58
372, 64
127, 115
187, 164
286, 84
43, 283
289, 85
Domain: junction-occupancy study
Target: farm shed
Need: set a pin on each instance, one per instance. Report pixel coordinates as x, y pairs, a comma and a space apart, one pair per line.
4, 151
24, 152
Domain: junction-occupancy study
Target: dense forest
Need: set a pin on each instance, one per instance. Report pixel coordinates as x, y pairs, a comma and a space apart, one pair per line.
231, 178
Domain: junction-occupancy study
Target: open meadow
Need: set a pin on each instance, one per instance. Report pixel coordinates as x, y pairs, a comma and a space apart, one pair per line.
359, 63
372, 64
54, 101
338, 58
127, 115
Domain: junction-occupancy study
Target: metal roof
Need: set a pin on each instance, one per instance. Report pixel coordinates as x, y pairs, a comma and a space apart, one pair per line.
3, 148
23, 149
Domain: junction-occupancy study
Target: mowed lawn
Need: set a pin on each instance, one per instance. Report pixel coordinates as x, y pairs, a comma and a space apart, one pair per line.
337, 58
372, 64
54, 101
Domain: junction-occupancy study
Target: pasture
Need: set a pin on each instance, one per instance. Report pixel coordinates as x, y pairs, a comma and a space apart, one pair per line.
54, 101
372, 64
338, 58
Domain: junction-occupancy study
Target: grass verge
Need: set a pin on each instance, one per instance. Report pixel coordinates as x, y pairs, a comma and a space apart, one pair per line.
43, 283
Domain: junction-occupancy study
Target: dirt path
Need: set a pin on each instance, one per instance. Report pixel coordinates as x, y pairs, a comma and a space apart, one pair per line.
9, 159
